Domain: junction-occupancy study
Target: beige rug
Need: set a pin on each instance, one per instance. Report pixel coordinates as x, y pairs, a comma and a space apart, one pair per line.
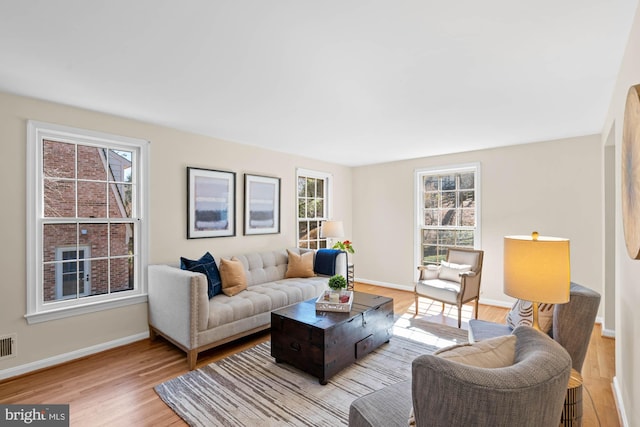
250, 389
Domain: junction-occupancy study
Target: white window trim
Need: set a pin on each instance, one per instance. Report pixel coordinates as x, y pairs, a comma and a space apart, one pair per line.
329, 190
328, 195
477, 235
37, 311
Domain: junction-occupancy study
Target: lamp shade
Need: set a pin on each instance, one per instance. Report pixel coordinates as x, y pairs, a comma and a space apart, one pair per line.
332, 229
537, 268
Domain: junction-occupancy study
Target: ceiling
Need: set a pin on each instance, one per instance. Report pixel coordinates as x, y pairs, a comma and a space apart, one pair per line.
353, 82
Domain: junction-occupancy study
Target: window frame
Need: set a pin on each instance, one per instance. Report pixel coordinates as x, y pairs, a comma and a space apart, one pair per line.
419, 204
37, 310
328, 179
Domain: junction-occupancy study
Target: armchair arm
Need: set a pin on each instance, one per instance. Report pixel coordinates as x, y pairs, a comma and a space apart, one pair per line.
428, 272
469, 286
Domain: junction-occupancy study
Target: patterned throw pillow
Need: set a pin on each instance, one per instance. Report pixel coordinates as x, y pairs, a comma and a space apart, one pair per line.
207, 266
522, 314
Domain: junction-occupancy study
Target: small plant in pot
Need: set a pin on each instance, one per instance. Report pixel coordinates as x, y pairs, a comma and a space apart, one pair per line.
337, 283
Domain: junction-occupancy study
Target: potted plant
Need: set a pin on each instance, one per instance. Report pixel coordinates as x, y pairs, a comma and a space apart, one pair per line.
337, 282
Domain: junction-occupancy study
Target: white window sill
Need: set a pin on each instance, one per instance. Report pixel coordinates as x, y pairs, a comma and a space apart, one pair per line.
61, 313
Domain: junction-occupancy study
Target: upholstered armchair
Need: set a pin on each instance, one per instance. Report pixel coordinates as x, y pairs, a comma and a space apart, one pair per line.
455, 281
528, 393
571, 325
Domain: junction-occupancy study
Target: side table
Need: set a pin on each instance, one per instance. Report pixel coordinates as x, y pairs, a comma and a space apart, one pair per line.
572, 411
350, 277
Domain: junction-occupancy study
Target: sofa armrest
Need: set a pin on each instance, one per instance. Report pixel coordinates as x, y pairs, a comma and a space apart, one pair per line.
178, 303
341, 264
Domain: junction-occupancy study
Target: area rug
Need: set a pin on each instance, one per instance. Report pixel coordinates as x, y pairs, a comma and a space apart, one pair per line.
250, 389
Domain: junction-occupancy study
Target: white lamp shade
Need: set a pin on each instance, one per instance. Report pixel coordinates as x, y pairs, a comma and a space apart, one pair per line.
537, 270
332, 229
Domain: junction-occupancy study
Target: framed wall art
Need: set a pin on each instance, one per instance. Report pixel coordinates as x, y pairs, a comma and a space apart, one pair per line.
211, 203
261, 205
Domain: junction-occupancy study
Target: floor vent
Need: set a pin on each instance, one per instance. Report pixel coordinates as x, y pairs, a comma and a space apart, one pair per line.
8, 346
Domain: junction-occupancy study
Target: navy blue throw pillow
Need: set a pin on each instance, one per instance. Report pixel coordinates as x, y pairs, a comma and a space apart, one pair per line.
207, 266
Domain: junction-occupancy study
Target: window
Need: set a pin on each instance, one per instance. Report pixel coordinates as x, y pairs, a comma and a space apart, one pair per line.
448, 210
313, 201
86, 236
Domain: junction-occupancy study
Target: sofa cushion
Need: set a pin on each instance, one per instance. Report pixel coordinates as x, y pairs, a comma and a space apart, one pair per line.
263, 298
451, 271
300, 265
234, 279
496, 352
207, 266
522, 314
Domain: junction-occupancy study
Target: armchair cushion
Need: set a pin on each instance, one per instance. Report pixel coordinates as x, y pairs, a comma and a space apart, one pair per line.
492, 353
522, 314
451, 271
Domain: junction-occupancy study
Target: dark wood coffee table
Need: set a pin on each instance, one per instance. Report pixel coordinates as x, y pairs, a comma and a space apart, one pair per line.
322, 343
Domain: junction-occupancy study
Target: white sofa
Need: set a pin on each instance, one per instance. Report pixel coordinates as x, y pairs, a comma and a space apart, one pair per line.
181, 311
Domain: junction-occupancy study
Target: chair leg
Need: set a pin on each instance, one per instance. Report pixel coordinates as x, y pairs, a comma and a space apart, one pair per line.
459, 316
442, 307
416, 295
476, 311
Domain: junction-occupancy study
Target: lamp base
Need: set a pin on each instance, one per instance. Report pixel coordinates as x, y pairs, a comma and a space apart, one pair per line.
535, 324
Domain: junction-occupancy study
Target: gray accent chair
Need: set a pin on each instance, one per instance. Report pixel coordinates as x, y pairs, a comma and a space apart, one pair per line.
461, 291
572, 324
530, 392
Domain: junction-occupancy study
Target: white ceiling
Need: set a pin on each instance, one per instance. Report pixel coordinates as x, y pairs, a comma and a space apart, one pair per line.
349, 81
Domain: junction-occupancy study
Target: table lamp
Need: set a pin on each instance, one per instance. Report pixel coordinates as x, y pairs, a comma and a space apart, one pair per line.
331, 229
537, 269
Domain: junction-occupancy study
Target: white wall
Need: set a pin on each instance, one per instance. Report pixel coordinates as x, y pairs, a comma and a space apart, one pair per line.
551, 187
627, 273
171, 152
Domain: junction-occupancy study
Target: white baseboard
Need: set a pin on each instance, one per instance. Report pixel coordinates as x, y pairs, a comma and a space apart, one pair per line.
385, 284
609, 333
495, 302
66, 357
485, 301
617, 395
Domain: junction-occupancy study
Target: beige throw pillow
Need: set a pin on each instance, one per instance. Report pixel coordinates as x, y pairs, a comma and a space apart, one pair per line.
300, 265
450, 271
522, 314
234, 280
491, 353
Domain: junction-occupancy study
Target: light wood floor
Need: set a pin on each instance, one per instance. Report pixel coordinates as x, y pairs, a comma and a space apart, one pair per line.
115, 387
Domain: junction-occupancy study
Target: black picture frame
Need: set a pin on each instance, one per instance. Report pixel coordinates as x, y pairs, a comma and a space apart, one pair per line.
211, 203
261, 204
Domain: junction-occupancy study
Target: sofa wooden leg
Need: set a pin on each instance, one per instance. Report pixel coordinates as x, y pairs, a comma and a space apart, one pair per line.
192, 357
